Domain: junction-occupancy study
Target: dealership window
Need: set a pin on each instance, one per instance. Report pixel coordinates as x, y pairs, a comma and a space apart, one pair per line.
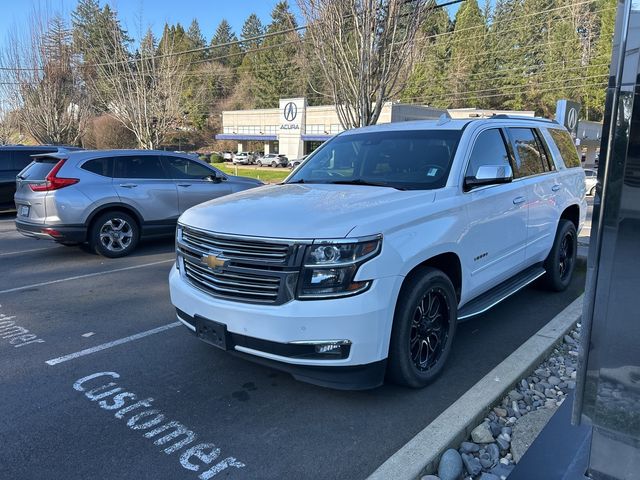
317, 129
336, 128
270, 129
227, 130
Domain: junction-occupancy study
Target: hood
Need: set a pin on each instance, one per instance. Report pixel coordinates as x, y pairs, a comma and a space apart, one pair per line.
303, 211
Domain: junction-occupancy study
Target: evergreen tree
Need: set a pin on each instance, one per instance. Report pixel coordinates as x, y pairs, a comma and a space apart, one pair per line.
221, 52
277, 69
467, 48
428, 81
252, 28
196, 40
598, 68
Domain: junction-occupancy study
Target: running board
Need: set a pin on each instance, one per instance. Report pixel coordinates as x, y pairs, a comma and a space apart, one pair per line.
500, 292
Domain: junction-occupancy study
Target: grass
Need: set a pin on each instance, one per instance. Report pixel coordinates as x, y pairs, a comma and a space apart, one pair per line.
275, 175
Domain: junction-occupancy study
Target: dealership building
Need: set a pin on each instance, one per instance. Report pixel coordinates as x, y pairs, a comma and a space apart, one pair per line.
296, 129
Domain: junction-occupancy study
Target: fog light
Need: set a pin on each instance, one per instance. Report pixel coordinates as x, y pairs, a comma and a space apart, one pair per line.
329, 348
50, 231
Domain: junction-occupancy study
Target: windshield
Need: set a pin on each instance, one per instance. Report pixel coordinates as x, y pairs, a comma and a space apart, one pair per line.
411, 159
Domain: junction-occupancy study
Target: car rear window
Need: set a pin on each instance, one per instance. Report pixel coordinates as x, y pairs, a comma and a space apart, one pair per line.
566, 146
39, 169
100, 166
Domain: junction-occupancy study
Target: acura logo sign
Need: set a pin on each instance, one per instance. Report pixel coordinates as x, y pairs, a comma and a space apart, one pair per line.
572, 119
290, 112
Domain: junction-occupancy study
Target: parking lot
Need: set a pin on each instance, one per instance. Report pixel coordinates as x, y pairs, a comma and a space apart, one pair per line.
90, 322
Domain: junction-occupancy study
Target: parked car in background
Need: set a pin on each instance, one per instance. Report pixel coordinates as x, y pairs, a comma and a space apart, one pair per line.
392, 233
295, 163
241, 159
13, 158
227, 156
273, 159
111, 198
590, 181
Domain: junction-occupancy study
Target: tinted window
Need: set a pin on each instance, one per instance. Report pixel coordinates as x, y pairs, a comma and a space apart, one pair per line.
412, 159
547, 161
99, 166
489, 149
39, 169
143, 166
528, 159
566, 146
20, 159
185, 169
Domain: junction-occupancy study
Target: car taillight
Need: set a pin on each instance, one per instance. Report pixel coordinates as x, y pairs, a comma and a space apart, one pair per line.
52, 182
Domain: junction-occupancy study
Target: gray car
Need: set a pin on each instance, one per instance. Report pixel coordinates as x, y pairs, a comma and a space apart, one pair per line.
111, 198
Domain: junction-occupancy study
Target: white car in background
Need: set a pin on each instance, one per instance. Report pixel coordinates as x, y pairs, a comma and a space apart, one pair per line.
241, 159
590, 181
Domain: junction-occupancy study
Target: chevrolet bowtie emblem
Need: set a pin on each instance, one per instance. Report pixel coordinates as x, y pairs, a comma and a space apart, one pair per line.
216, 262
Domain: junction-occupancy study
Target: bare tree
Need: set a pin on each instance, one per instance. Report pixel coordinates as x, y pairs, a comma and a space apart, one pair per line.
141, 91
40, 80
364, 49
7, 129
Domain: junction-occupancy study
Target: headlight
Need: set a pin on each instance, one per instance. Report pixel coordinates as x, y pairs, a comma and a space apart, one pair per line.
331, 265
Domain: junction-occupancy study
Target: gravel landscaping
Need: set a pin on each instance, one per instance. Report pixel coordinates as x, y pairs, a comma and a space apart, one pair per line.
498, 443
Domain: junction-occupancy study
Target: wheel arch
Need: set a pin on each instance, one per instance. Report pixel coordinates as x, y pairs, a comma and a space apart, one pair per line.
448, 262
114, 207
572, 213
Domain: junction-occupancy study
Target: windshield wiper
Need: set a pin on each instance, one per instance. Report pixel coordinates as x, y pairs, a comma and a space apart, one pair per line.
359, 181
295, 181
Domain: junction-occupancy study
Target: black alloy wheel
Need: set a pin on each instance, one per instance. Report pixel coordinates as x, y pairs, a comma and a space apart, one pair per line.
561, 261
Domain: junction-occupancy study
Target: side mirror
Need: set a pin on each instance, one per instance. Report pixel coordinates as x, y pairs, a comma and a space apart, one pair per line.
215, 177
489, 175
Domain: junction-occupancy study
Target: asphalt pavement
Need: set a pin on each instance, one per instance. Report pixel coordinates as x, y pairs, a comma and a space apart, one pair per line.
107, 327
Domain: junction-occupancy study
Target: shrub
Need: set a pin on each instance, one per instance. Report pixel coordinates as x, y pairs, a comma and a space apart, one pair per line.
215, 158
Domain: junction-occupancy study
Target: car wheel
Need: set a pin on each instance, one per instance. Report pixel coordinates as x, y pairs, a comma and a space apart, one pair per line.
114, 234
561, 261
424, 325
259, 163
273, 164
592, 192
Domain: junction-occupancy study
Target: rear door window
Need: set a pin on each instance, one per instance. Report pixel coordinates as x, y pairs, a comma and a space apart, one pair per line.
181, 168
99, 166
528, 159
21, 158
567, 148
139, 166
39, 169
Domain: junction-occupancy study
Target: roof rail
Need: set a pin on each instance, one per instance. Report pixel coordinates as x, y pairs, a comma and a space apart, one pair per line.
504, 116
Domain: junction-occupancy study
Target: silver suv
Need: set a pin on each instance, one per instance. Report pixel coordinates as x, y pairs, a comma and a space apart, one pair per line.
111, 198
273, 159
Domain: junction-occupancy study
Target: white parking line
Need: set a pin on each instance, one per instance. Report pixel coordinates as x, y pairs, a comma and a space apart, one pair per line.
104, 346
27, 251
77, 277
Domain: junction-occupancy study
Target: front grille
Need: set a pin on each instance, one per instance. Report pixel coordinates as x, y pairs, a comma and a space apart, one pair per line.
237, 286
257, 271
239, 250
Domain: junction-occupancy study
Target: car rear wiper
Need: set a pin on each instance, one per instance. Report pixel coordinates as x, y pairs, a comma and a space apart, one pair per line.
359, 181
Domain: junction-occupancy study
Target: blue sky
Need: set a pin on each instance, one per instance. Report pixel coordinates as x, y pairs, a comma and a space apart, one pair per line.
138, 15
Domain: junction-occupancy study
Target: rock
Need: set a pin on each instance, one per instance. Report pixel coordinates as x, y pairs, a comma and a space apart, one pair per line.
524, 384
501, 412
504, 461
482, 434
526, 431
541, 372
495, 429
554, 381
569, 340
502, 443
485, 461
430, 477
515, 395
505, 436
515, 407
469, 447
450, 467
471, 464
502, 471
488, 476
549, 393
506, 430
494, 453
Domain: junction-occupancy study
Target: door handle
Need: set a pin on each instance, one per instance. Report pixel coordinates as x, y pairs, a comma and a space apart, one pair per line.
128, 185
556, 187
184, 184
518, 200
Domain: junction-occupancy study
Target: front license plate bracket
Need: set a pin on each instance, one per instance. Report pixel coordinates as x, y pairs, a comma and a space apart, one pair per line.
212, 332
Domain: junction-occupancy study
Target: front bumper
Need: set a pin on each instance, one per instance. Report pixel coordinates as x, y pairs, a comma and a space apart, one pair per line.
267, 332
59, 233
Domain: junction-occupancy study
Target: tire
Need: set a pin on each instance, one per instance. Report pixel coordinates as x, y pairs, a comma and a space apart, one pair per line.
561, 261
408, 363
114, 234
259, 163
274, 164
592, 192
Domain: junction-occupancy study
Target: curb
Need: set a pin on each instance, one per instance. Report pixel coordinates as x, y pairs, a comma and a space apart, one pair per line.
421, 454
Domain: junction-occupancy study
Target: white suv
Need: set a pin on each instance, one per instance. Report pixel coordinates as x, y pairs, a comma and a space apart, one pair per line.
392, 234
